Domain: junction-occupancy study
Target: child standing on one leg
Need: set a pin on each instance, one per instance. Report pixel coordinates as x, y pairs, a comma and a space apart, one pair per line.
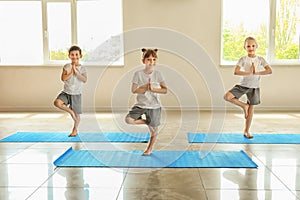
250, 68
147, 84
73, 75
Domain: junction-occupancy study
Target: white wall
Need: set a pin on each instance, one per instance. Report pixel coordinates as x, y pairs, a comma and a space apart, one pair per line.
34, 88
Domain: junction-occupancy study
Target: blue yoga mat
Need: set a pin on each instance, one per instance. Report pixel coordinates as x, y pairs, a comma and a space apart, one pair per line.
158, 159
240, 139
81, 137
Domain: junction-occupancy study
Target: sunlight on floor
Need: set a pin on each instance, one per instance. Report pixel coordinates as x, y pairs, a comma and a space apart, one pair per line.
269, 116
13, 115
47, 116
98, 116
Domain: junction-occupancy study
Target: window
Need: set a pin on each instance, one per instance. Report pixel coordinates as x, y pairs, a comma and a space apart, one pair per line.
287, 31
21, 39
58, 30
103, 44
39, 32
274, 23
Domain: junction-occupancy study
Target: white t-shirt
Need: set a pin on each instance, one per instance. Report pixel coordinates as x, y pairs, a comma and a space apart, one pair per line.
251, 81
73, 85
149, 99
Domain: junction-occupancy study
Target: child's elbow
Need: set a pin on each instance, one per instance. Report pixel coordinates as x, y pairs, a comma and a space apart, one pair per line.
270, 71
133, 91
165, 91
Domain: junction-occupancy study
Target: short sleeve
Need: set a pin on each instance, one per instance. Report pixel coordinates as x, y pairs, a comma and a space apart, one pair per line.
67, 67
240, 62
160, 77
263, 62
83, 69
135, 78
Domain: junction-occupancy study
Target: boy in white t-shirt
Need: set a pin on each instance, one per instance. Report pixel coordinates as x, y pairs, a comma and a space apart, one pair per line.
147, 84
73, 75
250, 68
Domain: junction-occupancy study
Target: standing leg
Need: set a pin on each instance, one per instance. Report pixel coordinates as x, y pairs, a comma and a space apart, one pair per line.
75, 127
248, 122
232, 99
153, 136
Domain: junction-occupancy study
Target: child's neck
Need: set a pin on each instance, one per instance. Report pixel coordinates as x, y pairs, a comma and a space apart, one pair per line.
75, 63
251, 55
148, 71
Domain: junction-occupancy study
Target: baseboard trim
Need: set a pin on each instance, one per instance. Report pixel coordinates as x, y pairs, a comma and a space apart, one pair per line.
109, 109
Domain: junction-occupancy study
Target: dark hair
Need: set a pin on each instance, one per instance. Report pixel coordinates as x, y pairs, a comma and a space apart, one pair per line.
149, 52
75, 48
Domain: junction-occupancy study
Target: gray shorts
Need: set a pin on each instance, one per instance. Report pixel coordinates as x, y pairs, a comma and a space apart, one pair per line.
253, 94
73, 101
152, 115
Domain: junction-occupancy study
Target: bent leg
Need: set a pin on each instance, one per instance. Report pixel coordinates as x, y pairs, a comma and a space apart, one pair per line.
132, 121
232, 99
61, 105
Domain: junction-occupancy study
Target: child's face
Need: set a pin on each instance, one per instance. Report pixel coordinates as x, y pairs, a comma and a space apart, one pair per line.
150, 62
75, 56
250, 47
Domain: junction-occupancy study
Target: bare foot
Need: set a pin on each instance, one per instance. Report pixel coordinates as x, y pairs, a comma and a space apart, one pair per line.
245, 108
73, 134
248, 135
146, 153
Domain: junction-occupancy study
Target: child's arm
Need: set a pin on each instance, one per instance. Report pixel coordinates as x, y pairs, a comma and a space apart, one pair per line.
162, 90
237, 71
139, 90
267, 70
65, 75
82, 77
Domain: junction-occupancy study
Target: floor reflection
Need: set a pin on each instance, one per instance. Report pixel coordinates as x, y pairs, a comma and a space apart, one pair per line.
27, 170
76, 188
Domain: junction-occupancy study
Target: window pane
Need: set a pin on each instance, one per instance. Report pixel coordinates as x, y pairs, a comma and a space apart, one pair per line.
21, 33
59, 30
243, 18
99, 31
287, 38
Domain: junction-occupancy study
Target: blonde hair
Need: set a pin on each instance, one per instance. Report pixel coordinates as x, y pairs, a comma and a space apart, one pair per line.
250, 38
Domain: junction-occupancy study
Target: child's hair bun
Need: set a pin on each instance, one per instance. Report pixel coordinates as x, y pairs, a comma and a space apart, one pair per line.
144, 50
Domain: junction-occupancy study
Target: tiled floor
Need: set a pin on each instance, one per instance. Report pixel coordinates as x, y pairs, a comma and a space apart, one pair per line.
27, 170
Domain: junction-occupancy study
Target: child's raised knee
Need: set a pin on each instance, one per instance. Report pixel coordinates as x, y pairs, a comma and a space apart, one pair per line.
56, 103
129, 120
227, 97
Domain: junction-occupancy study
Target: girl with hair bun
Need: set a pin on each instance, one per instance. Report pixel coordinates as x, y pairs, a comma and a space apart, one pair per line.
147, 83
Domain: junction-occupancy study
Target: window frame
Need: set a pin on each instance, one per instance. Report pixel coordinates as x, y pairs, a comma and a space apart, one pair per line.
271, 34
74, 35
